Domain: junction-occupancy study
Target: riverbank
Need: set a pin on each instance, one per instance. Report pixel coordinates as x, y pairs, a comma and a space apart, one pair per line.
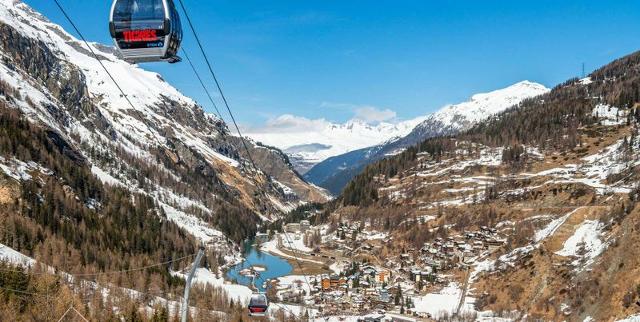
268, 266
302, 264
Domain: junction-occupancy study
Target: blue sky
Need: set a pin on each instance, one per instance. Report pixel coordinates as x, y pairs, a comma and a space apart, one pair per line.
330, 58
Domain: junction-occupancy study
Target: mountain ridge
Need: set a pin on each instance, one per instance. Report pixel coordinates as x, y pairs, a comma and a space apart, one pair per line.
165, 135
335, 172
290, 132
532, 213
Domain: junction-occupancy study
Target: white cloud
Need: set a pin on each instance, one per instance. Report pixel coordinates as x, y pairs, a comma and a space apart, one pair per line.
371, 114
366, 113
288, 123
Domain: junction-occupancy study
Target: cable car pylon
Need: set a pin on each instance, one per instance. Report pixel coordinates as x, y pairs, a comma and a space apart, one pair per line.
187, 287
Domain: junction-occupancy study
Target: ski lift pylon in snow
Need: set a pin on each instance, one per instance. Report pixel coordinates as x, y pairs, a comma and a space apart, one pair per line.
146, 30
258, 305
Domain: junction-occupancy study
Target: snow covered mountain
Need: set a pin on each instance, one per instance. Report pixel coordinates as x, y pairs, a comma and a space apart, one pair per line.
554, 182
335, 172
457, 117
306, 146
161, 144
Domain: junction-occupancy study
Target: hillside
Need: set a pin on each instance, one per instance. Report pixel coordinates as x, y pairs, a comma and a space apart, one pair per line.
94, 181
334, 173
532, 214
166, 141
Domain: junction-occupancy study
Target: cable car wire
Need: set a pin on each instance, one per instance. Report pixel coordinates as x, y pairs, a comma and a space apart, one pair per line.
224, 99
64, 12
213, 74
226, 103
134, 269
26, 271
297, 261
70, 20
204, 87
18, 291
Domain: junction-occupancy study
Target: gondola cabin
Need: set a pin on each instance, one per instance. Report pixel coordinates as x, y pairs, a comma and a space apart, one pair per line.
146, 30
258, 305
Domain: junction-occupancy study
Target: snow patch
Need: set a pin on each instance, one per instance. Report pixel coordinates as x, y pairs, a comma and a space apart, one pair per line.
585, 242
445, 301
14, 257
609, 115
195, 226
632, 318
551, 228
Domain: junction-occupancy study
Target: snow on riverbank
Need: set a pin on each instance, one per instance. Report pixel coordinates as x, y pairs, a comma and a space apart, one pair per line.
298, 282
294, 241
271, 247
204, 276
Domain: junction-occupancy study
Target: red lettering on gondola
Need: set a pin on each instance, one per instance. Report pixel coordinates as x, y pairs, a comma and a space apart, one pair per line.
140, 35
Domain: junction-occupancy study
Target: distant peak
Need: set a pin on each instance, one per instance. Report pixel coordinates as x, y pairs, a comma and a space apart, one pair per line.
522, 88
526, 83
482, 105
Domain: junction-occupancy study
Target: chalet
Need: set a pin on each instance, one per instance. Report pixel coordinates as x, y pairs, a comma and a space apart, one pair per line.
398, 279
437, 264
304, 225
336, 281
292, 227
449, 248
378, 318
384, 296
488, 230
326, 283
383, 276
366, 247
494, 242
370, 291
415, 275
406, 259
369, 270
262, 237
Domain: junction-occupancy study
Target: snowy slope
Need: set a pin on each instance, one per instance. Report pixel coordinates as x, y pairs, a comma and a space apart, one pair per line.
320, 140
162, 144
483, 105
335, 172
457, 117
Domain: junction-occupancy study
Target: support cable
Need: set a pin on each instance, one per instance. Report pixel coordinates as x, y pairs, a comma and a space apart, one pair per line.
224, 99
213, 74
101, 273
226, 103
64, 12
204, 87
